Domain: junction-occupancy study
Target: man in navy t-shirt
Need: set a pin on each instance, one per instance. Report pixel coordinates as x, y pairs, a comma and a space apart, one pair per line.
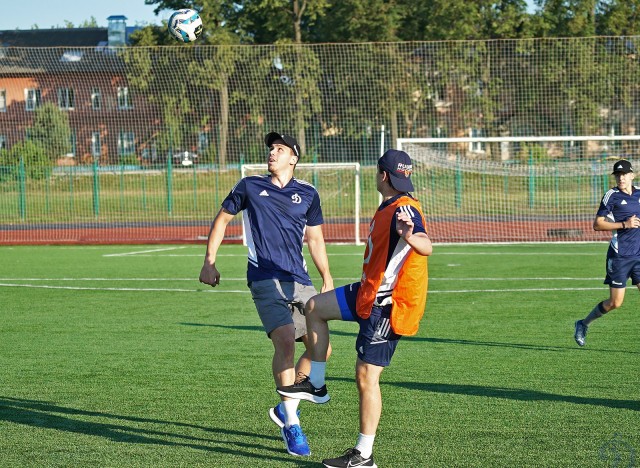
277, 210
619, 212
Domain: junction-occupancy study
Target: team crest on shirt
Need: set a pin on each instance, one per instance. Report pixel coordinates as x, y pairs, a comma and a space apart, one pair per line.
295, 198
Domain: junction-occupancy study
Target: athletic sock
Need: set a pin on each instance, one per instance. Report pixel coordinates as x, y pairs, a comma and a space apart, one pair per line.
597, 312
365, 445
316, 376
290, 408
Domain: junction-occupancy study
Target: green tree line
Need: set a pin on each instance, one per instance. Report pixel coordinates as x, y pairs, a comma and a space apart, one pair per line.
421, 68
322, 21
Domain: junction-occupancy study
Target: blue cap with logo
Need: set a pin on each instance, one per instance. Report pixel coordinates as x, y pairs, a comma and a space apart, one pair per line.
399, 167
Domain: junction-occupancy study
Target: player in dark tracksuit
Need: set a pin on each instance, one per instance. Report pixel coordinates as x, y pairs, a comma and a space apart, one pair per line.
619, 212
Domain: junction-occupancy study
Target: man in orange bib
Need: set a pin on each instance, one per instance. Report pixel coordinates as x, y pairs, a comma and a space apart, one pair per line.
387, 303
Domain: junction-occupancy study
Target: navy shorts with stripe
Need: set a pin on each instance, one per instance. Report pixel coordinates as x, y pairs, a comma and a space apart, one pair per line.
620, 269
376, 342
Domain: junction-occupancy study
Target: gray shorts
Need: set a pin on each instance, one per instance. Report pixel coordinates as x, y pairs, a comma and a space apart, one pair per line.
274, 298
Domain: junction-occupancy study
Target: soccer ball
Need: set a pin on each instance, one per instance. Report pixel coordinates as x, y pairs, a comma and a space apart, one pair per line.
185, 25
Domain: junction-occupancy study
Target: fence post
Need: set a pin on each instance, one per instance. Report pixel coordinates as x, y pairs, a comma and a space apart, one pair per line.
122, 200
144, 188
458, 182
71, 198
532, 180
22, 196
506, 179
557, 187
195, 187
483, 183
169, 186
96, 189
315, 173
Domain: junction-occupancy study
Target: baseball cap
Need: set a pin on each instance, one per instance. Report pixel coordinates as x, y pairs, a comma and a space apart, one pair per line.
398, 164
282, 139
623, 166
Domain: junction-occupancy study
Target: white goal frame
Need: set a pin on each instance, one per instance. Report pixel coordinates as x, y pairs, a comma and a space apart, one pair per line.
355, 166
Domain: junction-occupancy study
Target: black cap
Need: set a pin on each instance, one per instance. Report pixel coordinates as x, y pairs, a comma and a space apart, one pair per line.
398, 164
622, 166
282, 139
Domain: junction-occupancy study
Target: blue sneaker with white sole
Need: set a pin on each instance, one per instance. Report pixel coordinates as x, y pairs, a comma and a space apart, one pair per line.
295, 441
277, 415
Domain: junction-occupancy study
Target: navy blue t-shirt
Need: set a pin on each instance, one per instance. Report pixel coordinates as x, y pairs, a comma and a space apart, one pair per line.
274, 220
618, 206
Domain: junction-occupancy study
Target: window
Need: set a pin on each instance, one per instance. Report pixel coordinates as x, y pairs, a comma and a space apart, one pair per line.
3, 100
32, 98
3, 142
126, 143
66, 100
96, 148
476, 146
124, 98
96, 99
73, 140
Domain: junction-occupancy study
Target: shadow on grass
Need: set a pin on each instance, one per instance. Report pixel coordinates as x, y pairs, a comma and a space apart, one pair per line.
433, 340
47, 415
519, 394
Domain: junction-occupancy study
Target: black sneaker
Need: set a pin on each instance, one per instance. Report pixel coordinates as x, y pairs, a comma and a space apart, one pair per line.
351, 457
303, 390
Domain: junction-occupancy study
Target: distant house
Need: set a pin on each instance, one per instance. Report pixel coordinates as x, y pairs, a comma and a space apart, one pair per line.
78, 70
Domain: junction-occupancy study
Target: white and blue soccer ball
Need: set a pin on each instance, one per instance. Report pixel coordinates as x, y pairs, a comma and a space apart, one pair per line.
185, 25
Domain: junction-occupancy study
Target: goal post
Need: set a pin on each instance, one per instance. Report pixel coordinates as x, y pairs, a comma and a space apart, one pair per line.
515, 189
338, 185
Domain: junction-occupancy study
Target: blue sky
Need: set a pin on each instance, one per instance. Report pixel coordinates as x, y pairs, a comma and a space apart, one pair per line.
52, 13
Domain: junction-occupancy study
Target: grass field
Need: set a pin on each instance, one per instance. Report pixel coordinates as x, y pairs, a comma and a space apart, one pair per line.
115, 356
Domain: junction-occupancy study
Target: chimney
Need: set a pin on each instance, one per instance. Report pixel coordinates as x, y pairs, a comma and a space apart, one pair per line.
117, 30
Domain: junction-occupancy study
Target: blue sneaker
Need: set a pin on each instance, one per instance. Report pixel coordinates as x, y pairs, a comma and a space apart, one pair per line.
277, 415
296, 441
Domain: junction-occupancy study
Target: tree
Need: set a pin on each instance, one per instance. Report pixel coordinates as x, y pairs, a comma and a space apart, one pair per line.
51, 130
462, 19
618, 18
271, 21
565, 18
359, 21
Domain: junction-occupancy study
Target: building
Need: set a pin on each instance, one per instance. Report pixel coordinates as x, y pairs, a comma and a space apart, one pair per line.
80, 71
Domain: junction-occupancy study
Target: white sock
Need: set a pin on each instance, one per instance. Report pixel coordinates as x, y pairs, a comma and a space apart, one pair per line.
365, 445
290, 407
316, 376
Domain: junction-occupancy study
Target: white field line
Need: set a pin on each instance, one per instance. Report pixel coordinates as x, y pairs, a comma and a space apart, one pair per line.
79, 288
359, 254
138, 254
124, 254
566, 278
246, 291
